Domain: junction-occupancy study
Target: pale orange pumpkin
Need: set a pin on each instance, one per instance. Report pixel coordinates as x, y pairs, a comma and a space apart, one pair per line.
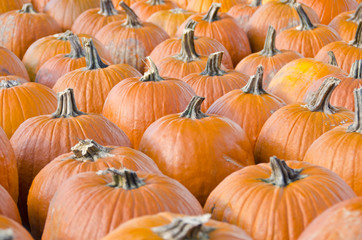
242, 12
10, 64
145, 8
202, 6
6, 6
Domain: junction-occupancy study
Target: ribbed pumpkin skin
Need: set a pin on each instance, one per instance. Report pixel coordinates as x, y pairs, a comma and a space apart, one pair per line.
242, 12
27, 100
87, 195
342, 221
53, 175
10, 64
19, 30
144, 9
245, 200
20, 233
8, 207
202, 6
6, 6
39, 5
140, 228
134, 105
343, 26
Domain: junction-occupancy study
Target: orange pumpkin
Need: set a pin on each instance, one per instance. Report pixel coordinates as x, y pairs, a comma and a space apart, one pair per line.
295, 127
271, 58
39, 5
92, 20
99, 196
343, 221
242, 12
161, 225
8, 207
251, 100
135, 103
184, 148
40, 139
6, 6
279, 14
10, 64
306, 38
181, 3
97, 75
145, 8
86, 156
282, 197
131, 41
202, 6
213, 82
19, 29
9, 229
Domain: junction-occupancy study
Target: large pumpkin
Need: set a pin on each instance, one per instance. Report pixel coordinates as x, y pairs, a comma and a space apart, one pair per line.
145, 8
242, 12
196, 149
202, 6
86, 156
9, 229
295, 127
10, 64
111, 197
282, 198
8, 206
6, 6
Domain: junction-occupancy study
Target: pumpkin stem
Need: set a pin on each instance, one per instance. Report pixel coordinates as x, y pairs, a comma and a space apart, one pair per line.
92, 57
27, 8
66, 105
269, 49
152, 74
282, 175
319, 101
155, 2
255, 3
123, 178
357, 124
178, 10
107, 8
289, 2
193, 110
357, 15
188, 52
211, 15
9, 83
76, 50
255, 83
6, 234
191, 24
184, 228
132, 18
89, 150
357, 41
213, 65
332, 59
64, 36
356, 70
305, 23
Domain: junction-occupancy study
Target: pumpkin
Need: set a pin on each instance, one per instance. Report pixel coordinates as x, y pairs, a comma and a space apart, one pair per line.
131, 41
9, 229
66, 11
8, 207
203, 46
327, 9
92, 20
86, 156
242, 12
169, 20
47, 47
27, 100
346, 23
283, 197
223, 28
39, 5
6, 6
213, 82
339, 151
162, 225
202, 6
196, 149
110, 192
271, 58
181, 3
343, 219
346, 53
19, 29
10, 64
61, 131
128, 2
295, 127
145, 8
306, 38
279, 14
252, 100
96, 76
135, 103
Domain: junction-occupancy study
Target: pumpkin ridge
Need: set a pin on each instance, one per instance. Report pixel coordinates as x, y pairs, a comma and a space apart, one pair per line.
211, 15
124, 178
213, 65
193, 110
357, 124
107, 8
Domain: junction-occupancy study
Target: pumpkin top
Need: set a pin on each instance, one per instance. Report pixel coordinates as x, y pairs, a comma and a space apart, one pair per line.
282, 175
178, 10
66, 105
184, 228
89, 150
289, 2
211, 15
255, 83
123, 178
320, 100
92, 57
27, 8
255, 3
191, 24
64, 36
9, 83
332, 59
155, 2
76, 50
213, 65
152, 74
357, 15
132, 18
188, 52
357, 41
305, 23
356, 70
193, 110
6, 234
269, 49
107, 8
357, 124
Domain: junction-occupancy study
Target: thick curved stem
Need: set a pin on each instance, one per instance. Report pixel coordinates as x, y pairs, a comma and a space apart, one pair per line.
64, 36
213, 65
256, 3
356, 70
92, 57
269, 49
193, 110
132, 19
124, 178
357, 15
357, 124
191, 24
320, 100
27, 8
357, 41
66, 105
211, 15
9, 83
155, 2
89, 150
7, 234
107, 8
152, 74
188, 52
255, 83
185, 228
306, 24
76, 50
332, 59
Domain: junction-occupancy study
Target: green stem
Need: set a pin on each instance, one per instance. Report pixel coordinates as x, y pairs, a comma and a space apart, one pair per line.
107, 8
255, 83
211, 15
92, 57
213, 65
132, 19
306, 24
269, 49
193, 110
66, 105
124, 178
76, 50
152, 74
357, 124
89, 150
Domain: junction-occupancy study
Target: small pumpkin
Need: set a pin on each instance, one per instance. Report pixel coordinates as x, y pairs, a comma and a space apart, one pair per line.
9, 229
8, 206
242, 12
145, 8
10, 64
